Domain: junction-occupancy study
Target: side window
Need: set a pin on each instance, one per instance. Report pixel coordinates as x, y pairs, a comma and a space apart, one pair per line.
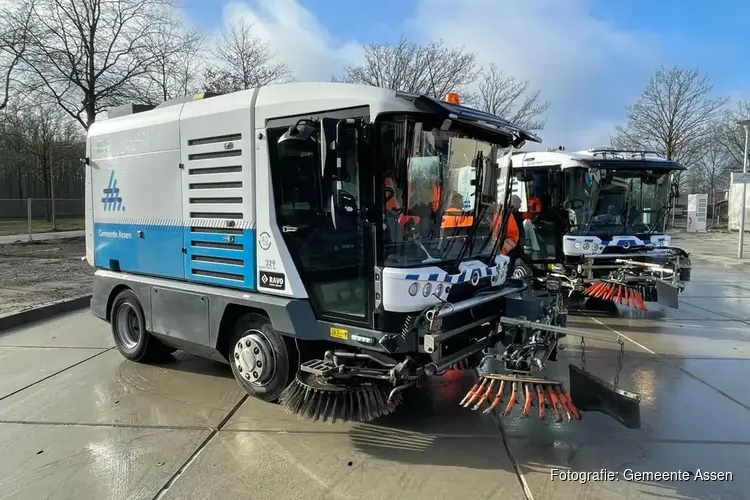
296, 180
330, 262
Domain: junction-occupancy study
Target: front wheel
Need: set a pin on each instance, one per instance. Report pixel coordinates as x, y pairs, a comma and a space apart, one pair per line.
129, 331
260, 359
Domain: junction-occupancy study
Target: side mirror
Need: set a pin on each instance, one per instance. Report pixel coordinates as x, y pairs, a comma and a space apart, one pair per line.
344, 211
334, 156
335, 165
328, 147
489, 181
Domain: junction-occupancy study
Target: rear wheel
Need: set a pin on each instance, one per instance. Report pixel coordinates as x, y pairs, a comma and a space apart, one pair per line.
260, 359
129, 331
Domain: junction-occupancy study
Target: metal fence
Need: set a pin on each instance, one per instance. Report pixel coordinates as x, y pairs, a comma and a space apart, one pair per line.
26, 217
21, 217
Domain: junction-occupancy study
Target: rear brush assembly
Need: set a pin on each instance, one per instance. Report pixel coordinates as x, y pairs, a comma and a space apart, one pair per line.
524, 391
617, 292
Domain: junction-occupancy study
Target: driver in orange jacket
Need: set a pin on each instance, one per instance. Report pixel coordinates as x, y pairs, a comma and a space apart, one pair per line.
454, 218
511, 233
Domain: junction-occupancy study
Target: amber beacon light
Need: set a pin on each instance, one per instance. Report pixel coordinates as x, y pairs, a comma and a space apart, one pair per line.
453, 98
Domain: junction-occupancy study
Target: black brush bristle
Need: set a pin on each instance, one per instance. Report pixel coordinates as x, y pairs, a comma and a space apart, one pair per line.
315, 400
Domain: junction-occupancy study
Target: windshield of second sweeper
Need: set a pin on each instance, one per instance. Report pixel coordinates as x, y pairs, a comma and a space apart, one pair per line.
608, 203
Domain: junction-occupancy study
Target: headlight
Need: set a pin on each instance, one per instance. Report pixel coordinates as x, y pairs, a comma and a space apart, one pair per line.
439, 290
426, 290
665, 243
594, 247
585, 246
413, 289
577, 245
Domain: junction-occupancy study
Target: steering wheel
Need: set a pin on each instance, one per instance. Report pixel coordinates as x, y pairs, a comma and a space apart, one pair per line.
574, 204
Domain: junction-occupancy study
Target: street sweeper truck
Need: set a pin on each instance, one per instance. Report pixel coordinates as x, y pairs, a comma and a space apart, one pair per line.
335, 244
597, 219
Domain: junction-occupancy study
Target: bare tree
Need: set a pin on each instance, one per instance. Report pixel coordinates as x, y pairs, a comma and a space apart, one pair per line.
505, 96
711, 172
87, 54
176, 65
431, 69
673, 116
15, 23
32, 137
244, 61
732, 135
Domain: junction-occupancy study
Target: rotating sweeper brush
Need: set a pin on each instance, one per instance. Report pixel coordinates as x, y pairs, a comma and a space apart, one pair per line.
617, 292
309, 396
330, 390
524, 391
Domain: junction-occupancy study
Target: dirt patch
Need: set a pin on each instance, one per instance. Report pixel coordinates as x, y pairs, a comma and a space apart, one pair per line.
33, 274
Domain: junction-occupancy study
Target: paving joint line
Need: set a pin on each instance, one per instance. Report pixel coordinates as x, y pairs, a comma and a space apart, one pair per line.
111, 425
517, 468
193, 456
667, 362
55, 374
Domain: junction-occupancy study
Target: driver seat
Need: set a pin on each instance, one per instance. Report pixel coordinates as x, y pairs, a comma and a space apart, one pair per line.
531, 238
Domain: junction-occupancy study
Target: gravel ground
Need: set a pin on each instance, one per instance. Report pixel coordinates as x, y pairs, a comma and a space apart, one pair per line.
33, 274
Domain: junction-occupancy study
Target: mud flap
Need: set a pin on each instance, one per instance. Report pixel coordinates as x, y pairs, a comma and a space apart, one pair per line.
590, 393
666, 295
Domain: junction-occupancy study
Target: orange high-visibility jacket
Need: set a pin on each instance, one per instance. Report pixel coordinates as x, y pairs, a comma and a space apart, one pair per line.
511, 232
455, 218
533, 207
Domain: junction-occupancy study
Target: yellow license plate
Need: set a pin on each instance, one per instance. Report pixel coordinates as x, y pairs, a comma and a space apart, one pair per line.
339, 333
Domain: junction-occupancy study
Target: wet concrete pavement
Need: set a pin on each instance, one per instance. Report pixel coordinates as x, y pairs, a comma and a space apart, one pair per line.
79, 422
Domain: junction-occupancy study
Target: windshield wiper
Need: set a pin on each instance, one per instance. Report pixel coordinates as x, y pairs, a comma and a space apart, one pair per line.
479, 208
661, 214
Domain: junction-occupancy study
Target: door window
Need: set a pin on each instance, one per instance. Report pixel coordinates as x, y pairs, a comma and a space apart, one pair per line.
331, 262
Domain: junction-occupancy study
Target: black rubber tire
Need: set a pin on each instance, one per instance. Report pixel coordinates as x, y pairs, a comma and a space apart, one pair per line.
285, 359
147, 349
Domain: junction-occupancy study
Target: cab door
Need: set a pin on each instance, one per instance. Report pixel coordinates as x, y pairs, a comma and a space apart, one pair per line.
336, 264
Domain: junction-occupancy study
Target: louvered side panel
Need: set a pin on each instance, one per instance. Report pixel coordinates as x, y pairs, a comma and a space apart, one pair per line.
221, 257
217, 202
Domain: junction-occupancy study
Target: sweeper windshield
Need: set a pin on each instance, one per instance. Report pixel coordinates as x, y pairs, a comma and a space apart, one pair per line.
444, 192
608, 202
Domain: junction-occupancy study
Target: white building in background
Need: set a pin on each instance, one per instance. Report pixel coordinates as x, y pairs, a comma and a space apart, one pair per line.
735, 207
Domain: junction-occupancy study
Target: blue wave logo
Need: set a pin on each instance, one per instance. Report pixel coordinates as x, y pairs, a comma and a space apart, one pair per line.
112, 200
